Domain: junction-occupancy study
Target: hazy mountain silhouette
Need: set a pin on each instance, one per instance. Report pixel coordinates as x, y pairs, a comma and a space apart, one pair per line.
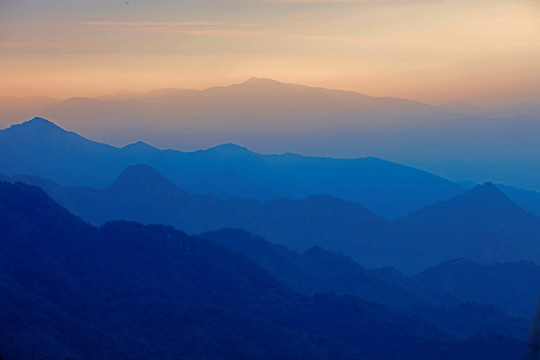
45, 150
471, 318
531, 110
140, 148
255, 99
482, 223
526, 199
319, 270
463, 107
301, 101
143, 179
483, 209
270, 116
133, 292
250, 107
514, 287
141, 194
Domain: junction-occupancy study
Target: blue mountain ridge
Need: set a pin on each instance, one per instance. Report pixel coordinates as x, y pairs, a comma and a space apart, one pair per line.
77, 291
389, 189
482, 224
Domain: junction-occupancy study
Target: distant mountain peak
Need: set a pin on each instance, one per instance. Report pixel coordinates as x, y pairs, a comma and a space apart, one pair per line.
486, 197
260, 81
81, 99
139, 146
41, 122
142, 177
37, 124
486, 190
230, 149
487, 186
140, 170
483, 209
39, 119
262, 86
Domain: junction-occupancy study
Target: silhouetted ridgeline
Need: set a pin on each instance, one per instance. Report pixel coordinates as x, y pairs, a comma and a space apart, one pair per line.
481, 224
128, 291
461, 140
319, 270
513, 286
38, 147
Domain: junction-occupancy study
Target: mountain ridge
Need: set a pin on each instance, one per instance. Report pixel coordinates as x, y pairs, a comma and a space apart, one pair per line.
472, 281
420, 240
482, 222
485, 202
142, 194
108, 284
229, 170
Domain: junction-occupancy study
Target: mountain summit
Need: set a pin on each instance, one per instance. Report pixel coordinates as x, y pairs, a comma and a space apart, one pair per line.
484, 204
139, 147
177, 294
228, 170
483, 223
230, 149
255, 82
143, 179
488, 192
37, 124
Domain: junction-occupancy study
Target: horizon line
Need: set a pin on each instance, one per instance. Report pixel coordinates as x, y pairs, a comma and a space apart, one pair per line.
133, 95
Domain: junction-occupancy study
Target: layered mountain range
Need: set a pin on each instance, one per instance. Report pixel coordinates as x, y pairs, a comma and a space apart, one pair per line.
482, 224
39, 147
287, 256
456, 141
128, 291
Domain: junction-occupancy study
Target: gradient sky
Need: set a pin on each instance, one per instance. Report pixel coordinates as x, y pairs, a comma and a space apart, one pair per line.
485, 52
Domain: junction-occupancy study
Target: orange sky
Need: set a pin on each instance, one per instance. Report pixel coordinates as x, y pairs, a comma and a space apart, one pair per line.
485, 52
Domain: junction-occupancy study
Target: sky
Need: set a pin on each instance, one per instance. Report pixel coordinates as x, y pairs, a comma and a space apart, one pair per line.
484, 52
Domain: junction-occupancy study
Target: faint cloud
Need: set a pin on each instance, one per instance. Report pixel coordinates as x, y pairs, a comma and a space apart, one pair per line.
198, 27
26, 45
153, 23
171, 25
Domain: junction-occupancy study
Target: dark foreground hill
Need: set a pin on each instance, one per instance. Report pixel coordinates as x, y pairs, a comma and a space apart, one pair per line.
513, 286
318, 270
128, 291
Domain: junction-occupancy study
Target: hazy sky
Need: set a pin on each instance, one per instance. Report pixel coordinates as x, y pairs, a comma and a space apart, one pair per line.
480, 51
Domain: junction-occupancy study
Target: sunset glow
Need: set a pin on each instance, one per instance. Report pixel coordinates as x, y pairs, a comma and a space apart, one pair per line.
485, 52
